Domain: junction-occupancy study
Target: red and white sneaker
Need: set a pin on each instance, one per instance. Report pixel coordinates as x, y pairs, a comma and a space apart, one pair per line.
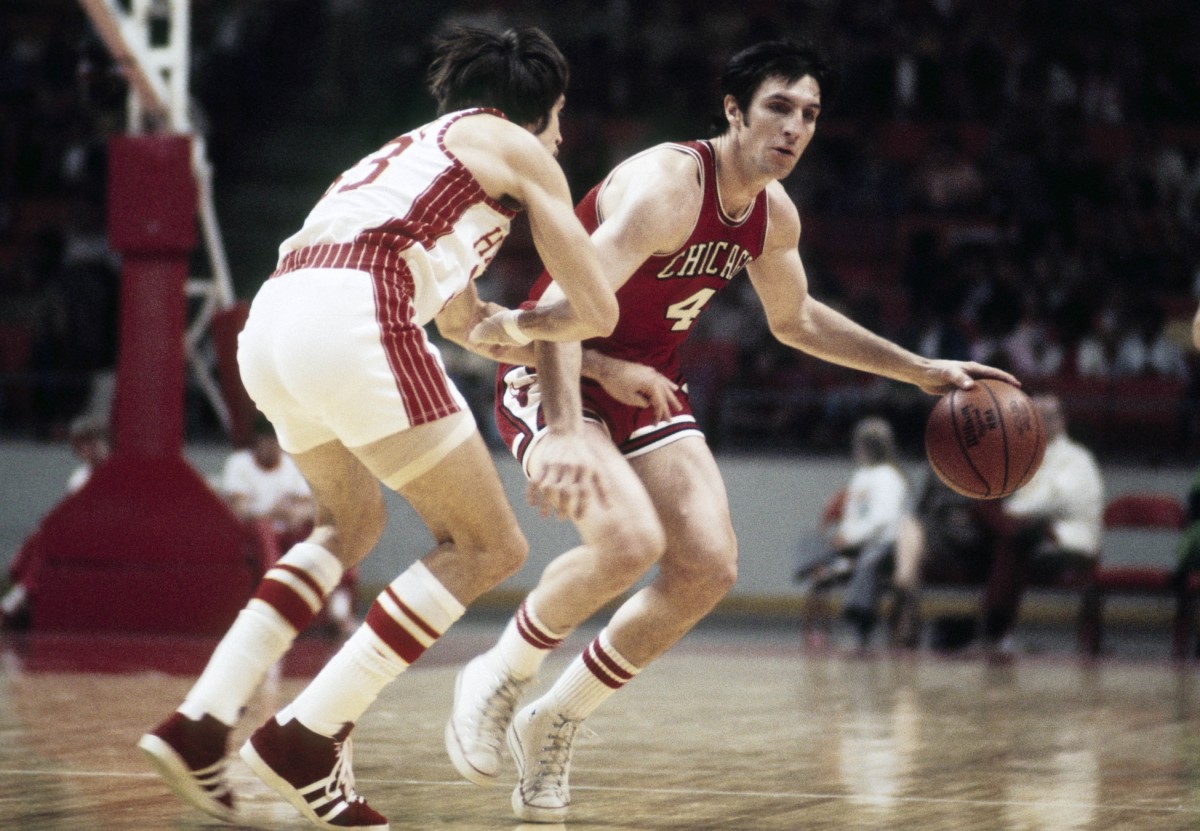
190, 757
312, 772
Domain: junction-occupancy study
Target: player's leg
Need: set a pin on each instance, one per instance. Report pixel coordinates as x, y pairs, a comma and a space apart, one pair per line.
445, 471
696, 570
911, 551
189, 748
619, 542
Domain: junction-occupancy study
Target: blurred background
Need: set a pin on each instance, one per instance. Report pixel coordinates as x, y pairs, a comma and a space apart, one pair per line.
1013, 181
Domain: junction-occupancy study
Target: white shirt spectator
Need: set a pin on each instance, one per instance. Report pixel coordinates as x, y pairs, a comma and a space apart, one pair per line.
262, 489
875, 500
1069, 491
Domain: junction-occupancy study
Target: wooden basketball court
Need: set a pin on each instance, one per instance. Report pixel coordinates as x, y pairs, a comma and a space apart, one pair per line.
733, 731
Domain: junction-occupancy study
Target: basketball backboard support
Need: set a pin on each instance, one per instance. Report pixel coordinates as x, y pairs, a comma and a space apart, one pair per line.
150, 41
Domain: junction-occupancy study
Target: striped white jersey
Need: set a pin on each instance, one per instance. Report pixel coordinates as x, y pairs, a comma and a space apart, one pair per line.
411, 215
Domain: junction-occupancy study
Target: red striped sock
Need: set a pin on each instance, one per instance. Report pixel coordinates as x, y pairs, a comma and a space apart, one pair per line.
525, 643
591, 678
298, 584
288, 598
404, 621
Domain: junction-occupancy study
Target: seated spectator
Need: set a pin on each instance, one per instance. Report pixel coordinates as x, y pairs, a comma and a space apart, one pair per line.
90, 444
264, 487
862, 544
1053, 528
263, 483
1047, 531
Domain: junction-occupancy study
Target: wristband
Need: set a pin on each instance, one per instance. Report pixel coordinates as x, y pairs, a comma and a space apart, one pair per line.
508, 322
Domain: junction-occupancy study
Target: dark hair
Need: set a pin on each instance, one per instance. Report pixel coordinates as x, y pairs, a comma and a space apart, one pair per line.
785, 58
519, 72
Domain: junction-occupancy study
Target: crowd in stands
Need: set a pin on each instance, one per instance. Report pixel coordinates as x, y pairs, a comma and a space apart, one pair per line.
1017, 182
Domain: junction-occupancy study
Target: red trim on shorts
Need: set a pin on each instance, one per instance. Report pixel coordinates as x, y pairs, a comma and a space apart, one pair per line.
421, 381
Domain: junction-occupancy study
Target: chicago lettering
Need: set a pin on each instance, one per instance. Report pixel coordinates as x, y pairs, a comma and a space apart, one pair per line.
718, 257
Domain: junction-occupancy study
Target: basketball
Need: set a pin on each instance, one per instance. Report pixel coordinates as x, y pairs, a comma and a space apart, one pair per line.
985, 442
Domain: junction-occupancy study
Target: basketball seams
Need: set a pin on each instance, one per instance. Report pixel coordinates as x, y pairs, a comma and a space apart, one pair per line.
1002, 422
962, 447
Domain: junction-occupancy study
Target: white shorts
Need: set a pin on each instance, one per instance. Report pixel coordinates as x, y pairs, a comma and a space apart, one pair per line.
323, 360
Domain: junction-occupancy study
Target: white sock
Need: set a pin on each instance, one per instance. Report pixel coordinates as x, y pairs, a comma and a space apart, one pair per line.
291, 592
404, 621
524, 644
590, 679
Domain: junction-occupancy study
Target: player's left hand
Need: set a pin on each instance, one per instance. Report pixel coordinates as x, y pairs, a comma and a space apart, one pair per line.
941, 376
490, 331
566, 481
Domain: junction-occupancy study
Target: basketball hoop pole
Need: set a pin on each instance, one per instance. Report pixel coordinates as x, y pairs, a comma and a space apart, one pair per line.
146, 544
150, 43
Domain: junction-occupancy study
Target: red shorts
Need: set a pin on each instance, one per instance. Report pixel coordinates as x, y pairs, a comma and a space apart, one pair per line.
634, 430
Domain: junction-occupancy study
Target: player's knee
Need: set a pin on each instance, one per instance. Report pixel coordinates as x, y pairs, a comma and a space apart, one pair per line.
717, 571
631, 547
722, 576
351, 533
499, 556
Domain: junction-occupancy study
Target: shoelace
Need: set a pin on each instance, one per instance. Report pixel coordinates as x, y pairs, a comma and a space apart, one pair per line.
555, 758
341, 777
498, 711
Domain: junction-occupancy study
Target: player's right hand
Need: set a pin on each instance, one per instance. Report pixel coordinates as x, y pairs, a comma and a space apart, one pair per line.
566, 480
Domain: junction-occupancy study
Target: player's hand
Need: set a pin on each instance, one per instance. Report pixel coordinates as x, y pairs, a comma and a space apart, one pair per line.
491, 331
638, 385
566, 481
940, 376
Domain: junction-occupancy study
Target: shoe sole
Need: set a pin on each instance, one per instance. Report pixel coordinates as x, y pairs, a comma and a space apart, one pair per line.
454, 749
178, 777
522, 809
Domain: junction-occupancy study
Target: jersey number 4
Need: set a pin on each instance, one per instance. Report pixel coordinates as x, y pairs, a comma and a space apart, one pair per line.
685, 312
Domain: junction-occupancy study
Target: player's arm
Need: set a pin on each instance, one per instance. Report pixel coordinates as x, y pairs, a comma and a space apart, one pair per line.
1196, 329
510, 162
799, 320
463, 313
648, 206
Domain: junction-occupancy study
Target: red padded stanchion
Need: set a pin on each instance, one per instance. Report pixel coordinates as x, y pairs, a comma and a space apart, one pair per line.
146, 545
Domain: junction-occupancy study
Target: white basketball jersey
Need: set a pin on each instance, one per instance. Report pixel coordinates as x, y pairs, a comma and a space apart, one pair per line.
410, 214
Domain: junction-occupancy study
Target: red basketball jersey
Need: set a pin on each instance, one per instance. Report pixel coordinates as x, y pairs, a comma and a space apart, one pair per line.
660, 302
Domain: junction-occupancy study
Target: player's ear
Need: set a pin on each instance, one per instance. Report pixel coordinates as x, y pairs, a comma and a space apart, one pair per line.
733, 113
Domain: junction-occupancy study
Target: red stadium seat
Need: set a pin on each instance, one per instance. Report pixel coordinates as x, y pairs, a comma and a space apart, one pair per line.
1160, 513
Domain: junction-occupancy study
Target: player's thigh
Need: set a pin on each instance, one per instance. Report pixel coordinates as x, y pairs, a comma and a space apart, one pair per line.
685, 485
350, 514
462, 499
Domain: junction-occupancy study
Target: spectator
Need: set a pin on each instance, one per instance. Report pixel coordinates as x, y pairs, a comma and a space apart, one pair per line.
1051, 527
863, 544
90, 444
262, 482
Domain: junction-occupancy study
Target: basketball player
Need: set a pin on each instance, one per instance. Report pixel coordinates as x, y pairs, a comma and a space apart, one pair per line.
335, 354
674, 225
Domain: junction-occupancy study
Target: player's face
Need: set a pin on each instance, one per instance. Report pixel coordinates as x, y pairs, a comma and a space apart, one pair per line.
780, 124
551, 134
